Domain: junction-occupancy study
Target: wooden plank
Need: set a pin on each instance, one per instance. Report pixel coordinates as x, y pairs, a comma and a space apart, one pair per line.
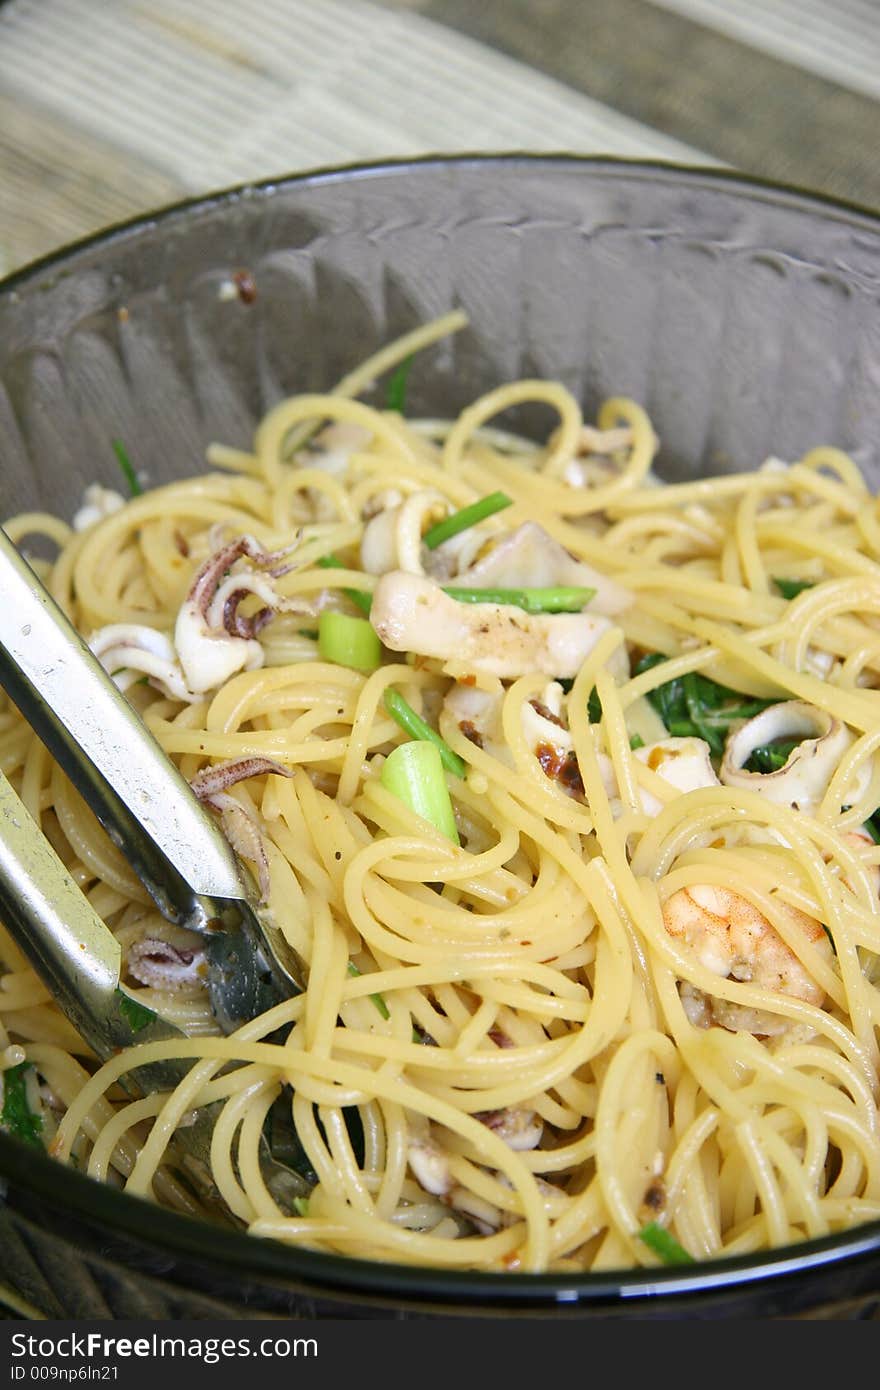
58, 184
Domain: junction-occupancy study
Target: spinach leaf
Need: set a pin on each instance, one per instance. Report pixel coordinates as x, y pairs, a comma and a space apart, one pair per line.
770, 757
17, 1116
790, 588
136, 1014
872, 825
693, 706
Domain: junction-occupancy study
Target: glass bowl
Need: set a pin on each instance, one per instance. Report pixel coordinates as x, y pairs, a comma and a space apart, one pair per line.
743, 316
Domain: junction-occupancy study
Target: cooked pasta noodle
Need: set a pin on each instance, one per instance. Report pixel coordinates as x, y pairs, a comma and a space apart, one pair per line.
634, 988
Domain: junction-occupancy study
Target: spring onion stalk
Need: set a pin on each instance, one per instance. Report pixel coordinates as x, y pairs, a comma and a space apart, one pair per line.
348, 641
414, 772
561, 599
658, 1239
127, 467
377, 999
414, 725
467, 517
363, 600
396, 396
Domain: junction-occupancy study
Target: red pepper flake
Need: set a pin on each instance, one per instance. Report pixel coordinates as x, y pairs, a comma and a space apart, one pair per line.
655, 1196
246, 285
540, 708
561, 767
471, 732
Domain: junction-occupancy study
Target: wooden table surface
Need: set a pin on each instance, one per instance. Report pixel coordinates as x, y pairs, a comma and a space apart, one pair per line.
109, 111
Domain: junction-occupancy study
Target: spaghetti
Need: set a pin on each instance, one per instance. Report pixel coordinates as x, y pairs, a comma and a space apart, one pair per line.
621, 1005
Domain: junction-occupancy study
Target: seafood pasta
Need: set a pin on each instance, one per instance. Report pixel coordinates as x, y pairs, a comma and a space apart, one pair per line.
560, 780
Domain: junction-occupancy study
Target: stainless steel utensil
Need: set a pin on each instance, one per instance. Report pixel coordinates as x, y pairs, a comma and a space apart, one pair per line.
169, 839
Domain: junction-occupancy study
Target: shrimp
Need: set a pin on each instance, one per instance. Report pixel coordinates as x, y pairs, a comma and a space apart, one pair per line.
732, 939
860, 840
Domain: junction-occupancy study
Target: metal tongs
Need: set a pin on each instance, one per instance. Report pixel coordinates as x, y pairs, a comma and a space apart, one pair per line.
169, 839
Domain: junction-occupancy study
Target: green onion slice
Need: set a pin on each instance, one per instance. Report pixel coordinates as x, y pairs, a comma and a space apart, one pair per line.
658, 1239
348, 641
414, 725
467, 517
560, 599
377, 999
414, 772
363, 599
127, 467
395, 398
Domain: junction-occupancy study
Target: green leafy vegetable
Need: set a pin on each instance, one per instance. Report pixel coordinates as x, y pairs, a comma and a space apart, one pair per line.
127, 467
770, 757
414, 772
348, 641
395, 398
872, 825
693, 706
636, 741
561, 599
285, 1145
594, 707
136, 1014
363, 599
790, 588
376, 998
413, 724
16, 1115
658, 1239
467, 517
